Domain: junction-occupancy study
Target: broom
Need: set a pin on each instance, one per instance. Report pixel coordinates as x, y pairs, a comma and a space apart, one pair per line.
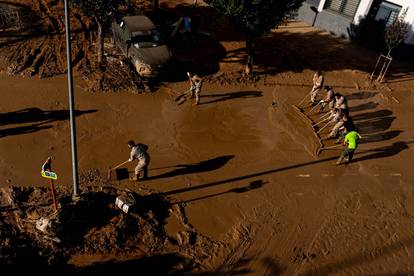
327, 124
320, 122
300, 103
313, 108
327, 148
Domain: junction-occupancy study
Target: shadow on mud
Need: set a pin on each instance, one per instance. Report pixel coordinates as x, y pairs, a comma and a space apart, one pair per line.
203, 166
33, 114
364, 106
361, 95
39, 119
256, 184
373, 126
163, 264
230, 96
382, 152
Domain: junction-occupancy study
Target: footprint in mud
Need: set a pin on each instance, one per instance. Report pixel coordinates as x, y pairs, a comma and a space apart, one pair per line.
300, 256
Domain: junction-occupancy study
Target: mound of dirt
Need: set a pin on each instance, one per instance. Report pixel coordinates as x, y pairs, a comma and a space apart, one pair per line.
33, 234
40, 49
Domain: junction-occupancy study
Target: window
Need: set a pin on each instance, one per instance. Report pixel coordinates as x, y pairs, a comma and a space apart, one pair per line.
314, 3
387, 12
346, 7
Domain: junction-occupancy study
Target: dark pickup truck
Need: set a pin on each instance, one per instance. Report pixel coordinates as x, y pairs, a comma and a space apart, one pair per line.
140, 41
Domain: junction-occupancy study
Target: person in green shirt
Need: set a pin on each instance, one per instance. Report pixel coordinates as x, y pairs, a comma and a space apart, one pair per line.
351, 142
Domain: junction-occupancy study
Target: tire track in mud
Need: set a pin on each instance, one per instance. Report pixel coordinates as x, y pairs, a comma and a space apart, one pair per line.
360, 246
360, 234
248, 243
201, 249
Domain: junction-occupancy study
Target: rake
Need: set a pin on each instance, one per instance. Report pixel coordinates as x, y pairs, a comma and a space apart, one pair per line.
307, 95
328, 123
327, 148
324, 120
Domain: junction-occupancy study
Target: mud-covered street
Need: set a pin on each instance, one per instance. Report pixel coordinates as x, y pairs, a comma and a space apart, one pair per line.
237, 185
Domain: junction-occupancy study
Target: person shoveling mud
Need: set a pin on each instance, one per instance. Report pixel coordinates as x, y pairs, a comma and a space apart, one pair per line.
139, 152
195, 89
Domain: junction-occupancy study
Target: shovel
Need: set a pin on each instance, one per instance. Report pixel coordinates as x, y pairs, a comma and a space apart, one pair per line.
182, 95
114, 168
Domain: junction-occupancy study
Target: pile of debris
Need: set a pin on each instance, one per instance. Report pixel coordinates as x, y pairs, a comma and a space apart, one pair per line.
104, 221
40, 49
234, 78
116, 75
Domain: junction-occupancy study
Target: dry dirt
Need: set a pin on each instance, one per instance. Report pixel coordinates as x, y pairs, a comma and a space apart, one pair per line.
236, 171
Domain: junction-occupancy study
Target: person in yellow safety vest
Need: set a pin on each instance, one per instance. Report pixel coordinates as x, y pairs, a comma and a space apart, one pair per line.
351, 142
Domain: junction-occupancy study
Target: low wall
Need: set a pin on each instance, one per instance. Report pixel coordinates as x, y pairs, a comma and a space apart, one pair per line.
326, 19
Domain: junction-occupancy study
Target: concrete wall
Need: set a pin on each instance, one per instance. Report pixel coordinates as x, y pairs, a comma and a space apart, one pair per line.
306, 14
328, 20
334, 22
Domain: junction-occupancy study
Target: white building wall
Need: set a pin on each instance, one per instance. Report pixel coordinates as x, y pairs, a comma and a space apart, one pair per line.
321, 5
365, 6
362, 10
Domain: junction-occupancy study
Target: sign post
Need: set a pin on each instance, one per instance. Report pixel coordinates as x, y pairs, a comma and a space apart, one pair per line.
47, 173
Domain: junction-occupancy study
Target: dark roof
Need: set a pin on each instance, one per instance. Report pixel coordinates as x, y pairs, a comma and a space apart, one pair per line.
138, 23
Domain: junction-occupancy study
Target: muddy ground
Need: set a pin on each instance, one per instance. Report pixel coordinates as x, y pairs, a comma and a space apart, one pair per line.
237, 172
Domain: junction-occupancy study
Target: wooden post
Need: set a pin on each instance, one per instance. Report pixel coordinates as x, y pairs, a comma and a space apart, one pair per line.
52, 188
389, 60
375, 68
47, 167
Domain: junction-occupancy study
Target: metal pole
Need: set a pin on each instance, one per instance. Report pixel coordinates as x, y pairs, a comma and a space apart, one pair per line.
71, 104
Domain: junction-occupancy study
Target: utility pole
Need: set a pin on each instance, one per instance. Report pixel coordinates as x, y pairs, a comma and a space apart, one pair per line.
71, 105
